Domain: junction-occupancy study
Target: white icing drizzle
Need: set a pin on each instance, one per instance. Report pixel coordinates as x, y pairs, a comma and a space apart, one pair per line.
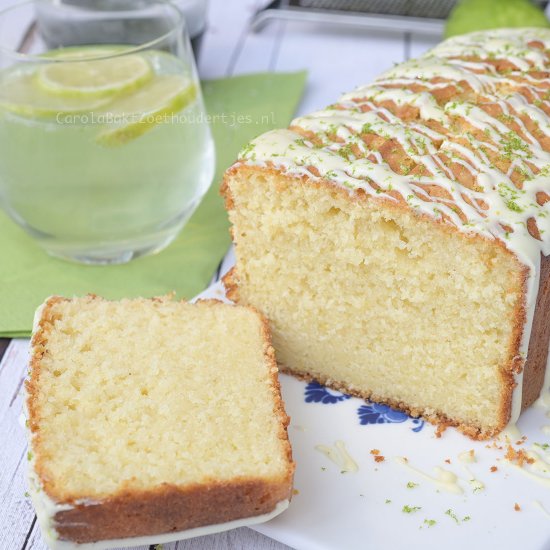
443, 479
475, 484
504, 202
538, 470
340, 456
537, 504
511, 434
544, 400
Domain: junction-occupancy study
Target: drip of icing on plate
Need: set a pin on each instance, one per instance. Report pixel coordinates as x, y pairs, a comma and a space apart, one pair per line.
509, 202
475, 484
538, 470
340, 456
511, 433
443, 479
540, 507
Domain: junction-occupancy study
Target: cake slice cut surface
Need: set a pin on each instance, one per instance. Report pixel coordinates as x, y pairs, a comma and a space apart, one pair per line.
153, 420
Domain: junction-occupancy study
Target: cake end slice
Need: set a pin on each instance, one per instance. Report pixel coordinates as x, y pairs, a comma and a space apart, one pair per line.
153, 420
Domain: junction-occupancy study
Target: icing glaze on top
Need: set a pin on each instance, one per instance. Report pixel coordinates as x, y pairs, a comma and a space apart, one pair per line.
461, 134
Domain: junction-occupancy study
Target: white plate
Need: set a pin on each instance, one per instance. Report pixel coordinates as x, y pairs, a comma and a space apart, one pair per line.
334, 510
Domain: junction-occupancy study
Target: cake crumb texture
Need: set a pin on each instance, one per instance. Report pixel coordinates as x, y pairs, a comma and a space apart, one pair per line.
375, 300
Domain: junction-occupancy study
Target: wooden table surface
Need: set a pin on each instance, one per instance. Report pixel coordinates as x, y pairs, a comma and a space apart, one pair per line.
337, 60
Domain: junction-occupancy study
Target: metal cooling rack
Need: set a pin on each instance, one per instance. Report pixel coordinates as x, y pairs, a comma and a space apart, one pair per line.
419, 16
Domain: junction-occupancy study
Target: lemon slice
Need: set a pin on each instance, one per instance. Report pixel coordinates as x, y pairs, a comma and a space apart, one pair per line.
151, 105
20, 94
94, 78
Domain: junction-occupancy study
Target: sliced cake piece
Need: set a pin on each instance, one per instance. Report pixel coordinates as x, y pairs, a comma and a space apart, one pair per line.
153, 420
398, 240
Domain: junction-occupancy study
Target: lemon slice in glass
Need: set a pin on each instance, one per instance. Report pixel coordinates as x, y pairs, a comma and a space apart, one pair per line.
20, 94
155, 103
94, 78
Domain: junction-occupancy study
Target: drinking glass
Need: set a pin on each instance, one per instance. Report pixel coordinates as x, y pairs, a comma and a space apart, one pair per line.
105, 149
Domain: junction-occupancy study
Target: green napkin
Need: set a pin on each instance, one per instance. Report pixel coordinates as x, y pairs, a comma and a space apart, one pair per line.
241, 108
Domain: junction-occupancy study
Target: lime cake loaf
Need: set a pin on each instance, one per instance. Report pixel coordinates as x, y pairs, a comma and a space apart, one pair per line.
153, 420
396, 240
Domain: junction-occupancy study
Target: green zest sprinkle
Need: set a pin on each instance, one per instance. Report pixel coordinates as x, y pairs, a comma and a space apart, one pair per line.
430, 522
27, 494
452, 515
543, 446
506, 118
411, 485
511, 144
388, 501
247, 150
346, 152
404, 168
510, 196
29, 455
511, 205
367, 129
410, 509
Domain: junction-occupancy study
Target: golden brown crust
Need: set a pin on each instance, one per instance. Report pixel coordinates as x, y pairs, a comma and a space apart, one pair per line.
170, 509
130, 513
38, 350
534, 367
537, 355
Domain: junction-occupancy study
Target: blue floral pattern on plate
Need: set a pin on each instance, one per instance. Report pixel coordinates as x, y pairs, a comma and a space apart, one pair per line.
370, 413
316, 393
377, 413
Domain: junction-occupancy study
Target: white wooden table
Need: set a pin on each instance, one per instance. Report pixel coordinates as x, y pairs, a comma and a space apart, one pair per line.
337, 60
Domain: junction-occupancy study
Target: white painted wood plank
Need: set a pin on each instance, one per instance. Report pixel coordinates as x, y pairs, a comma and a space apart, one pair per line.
17, 512
240, 539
